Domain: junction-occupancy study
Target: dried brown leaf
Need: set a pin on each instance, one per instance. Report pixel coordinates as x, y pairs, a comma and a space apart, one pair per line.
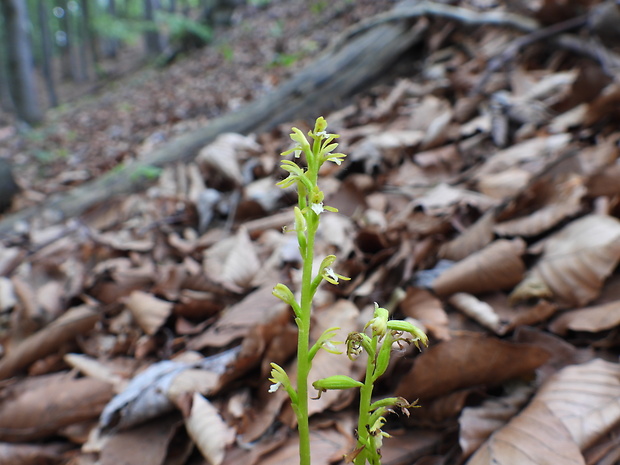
498, 266
586, 398
428, 310
572, 410
259, 308
536, 437
39, 406
224, 153
146, 444
478, 310
478, 423
233, 262
468, 361
208, 430
565, 203
577, 260
149, 311
473, 239
74, 322
33, 454
531, 150
590, 319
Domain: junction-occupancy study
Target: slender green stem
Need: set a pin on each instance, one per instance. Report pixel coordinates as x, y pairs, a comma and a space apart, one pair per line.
365, 401
303, 342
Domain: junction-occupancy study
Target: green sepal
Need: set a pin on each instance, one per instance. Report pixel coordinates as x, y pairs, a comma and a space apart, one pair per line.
322, 341
283, 293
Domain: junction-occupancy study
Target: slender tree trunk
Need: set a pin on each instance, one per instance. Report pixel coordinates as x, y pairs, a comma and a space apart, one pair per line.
82, 43
110, 45
90, 35
6, 100
152, 38
46, 54
20, 62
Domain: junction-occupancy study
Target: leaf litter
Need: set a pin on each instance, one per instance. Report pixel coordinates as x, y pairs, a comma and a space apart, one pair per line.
490, 217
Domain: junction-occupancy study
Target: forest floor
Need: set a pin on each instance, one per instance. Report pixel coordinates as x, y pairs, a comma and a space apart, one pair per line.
478, 202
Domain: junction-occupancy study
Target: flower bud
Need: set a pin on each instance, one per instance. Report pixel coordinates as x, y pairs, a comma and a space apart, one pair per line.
379, 324
335, 382
405, 326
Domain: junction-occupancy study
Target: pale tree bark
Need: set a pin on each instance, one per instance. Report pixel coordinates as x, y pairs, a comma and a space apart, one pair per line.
46, 53
110, 45
152, 38
6, 100
20, 62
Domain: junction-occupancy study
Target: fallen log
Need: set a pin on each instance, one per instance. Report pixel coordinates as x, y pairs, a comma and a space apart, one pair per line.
325, 84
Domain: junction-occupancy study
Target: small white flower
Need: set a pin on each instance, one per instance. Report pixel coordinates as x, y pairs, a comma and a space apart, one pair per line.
317, 208
274, 387
329, 273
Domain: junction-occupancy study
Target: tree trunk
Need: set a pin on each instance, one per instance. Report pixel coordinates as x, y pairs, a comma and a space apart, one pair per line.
20, 62
110, 45
152, 38
46, 54
6, 100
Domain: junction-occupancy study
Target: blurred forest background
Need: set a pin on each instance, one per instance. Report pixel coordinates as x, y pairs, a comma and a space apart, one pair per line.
70, 48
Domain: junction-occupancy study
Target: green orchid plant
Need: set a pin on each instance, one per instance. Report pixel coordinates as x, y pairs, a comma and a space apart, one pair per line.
385, 333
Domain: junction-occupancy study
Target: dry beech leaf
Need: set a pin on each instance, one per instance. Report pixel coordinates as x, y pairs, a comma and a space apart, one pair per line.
535, 149
565, 202
468, 361
535, 437
573, 409
505, 184
94, 369
233, 262
496, 267
146, 444
473, 239
478, 310
209, 431
260, 308
590, 319
428, 310
33, 454
75, 321
441, 197
149, 311
222, 155
478, 423
577, 260
193, 380
38, 407
586, 398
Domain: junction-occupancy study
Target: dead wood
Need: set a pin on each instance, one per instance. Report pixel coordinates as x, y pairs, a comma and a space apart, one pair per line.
324, 85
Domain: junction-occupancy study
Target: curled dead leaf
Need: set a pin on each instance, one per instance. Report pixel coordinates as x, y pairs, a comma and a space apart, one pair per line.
591, 319
468, 361
208, 430
149, 311
496, 267
577, 260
